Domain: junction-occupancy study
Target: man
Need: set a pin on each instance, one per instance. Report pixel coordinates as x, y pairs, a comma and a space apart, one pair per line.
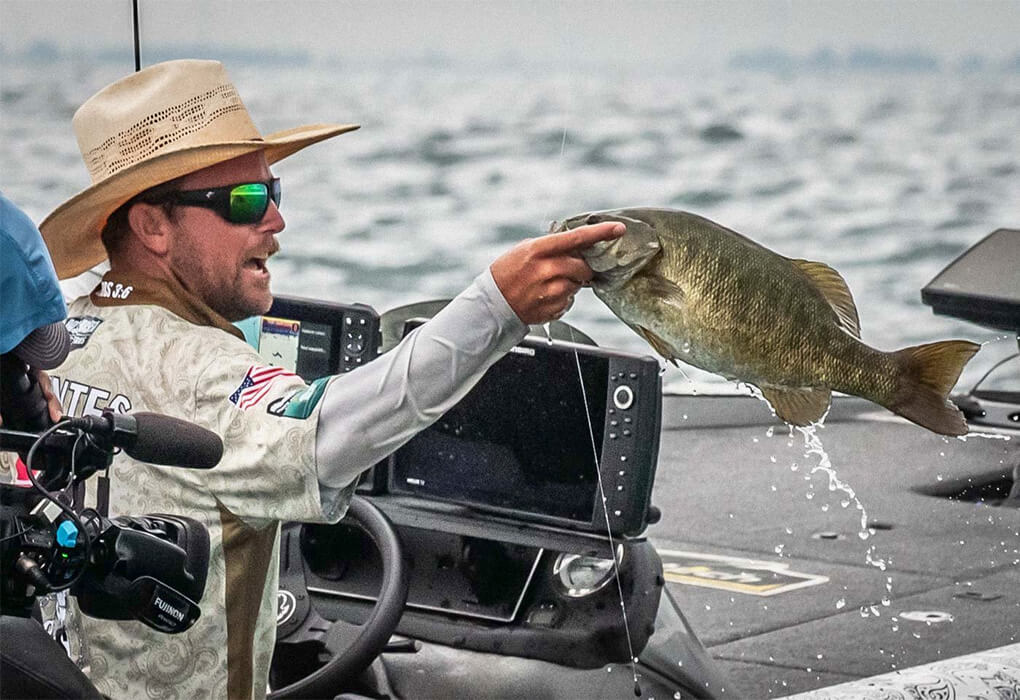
185, 204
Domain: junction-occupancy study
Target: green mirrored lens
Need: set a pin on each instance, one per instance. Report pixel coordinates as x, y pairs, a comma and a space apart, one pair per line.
248, 203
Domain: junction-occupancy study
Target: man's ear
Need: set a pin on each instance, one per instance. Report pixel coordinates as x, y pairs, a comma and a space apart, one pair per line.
151, 225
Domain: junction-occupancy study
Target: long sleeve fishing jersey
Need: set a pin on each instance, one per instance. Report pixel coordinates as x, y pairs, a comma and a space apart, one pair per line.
292, 452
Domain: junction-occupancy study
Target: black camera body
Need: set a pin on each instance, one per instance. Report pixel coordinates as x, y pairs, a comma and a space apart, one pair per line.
150, 568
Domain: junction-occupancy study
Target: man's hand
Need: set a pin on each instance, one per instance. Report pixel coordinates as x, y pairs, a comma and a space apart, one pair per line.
52, 402
540, 276
53, 407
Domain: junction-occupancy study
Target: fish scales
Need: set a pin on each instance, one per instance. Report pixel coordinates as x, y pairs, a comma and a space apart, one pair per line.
706, 295
742, 309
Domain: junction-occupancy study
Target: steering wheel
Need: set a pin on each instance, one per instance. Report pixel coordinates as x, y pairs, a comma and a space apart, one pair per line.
353, 647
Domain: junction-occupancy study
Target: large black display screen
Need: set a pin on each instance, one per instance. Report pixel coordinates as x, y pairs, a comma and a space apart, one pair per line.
520, 440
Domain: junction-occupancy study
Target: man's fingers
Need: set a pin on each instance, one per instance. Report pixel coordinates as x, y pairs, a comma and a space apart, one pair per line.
580, 238
576, 270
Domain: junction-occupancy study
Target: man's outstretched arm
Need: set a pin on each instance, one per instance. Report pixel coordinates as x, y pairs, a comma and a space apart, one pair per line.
369, 413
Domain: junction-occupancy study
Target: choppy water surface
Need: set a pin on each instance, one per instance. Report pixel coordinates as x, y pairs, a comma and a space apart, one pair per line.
885, 177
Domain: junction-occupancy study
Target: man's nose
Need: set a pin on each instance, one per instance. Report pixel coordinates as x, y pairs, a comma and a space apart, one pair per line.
272, 221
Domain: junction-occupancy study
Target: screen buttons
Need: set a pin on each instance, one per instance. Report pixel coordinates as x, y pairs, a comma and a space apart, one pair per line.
623, 397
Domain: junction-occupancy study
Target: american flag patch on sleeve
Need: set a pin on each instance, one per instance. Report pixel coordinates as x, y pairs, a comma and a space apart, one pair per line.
256, 385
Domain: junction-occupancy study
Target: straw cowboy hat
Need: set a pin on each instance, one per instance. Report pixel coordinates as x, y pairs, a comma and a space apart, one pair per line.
155, 125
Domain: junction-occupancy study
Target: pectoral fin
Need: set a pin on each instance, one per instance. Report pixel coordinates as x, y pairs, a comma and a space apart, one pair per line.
658, 344
664, 289
799, 406
835, 290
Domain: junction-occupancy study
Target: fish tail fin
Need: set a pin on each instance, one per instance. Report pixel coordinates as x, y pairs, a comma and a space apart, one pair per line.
927, 374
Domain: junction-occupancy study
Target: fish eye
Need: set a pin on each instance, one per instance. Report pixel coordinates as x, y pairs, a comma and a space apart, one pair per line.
592, 219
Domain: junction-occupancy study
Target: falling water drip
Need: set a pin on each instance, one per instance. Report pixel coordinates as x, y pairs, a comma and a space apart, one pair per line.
987, 436
813, 446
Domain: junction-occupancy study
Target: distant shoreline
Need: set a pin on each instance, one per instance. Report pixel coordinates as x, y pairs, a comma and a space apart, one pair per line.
861, 59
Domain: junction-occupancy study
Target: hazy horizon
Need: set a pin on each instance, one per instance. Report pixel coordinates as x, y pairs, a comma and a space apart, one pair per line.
632, 33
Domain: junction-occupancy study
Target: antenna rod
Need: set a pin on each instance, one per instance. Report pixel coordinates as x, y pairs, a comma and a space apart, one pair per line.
138, 54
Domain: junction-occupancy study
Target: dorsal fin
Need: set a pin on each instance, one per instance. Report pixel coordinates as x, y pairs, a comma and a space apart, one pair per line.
833, 288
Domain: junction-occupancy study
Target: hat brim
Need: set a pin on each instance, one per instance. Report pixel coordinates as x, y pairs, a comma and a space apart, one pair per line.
72, 230
46, 347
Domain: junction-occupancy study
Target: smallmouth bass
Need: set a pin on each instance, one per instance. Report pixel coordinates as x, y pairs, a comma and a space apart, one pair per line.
699, 292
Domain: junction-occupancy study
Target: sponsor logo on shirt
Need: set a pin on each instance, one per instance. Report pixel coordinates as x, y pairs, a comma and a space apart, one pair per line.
299, 404
80, 399
114, 290
81, 328
256, 384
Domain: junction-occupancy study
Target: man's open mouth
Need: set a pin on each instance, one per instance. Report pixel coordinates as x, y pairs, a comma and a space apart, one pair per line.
257, 264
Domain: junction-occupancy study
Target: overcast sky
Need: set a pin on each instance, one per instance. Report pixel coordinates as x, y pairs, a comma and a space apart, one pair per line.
628, 30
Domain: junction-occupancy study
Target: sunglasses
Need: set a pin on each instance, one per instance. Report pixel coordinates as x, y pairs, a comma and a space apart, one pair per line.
244, 203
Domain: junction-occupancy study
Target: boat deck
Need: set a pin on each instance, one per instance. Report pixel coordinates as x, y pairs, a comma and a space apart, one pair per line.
734, 482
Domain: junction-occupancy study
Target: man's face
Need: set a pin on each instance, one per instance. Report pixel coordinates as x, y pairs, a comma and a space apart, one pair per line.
223, 263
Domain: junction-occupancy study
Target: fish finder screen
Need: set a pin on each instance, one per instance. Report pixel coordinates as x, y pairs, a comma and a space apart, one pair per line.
519, 441
301, 347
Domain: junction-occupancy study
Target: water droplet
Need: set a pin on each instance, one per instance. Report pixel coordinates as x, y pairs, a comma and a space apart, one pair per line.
771, 431
772, 459
841, 603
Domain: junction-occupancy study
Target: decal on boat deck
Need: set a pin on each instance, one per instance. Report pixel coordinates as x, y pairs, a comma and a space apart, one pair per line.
737, 574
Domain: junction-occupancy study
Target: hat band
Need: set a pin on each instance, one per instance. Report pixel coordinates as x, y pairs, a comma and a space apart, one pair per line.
161, 130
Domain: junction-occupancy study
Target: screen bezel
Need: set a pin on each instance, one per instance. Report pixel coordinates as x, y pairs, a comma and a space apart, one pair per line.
635, 519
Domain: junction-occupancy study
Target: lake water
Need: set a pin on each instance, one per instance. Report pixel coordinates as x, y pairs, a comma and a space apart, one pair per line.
886, 177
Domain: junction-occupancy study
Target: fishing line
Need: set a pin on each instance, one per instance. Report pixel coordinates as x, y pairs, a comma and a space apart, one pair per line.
605, 512
598, 473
